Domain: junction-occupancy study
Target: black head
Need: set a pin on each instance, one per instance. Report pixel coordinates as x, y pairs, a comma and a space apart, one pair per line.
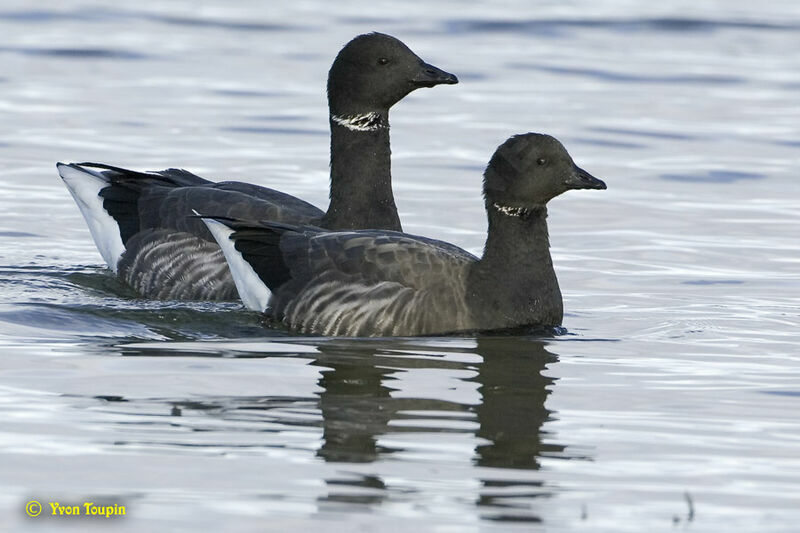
530, 169
375, 71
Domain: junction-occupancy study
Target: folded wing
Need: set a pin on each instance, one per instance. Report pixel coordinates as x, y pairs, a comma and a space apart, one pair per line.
141, 222
356, 283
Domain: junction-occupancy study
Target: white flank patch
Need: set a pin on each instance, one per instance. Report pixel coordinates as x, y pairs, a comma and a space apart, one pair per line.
84, 186
367, 122
253, 292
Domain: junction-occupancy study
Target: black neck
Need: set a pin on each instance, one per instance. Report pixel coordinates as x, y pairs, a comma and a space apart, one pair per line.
515, 275
517, 237
361, 175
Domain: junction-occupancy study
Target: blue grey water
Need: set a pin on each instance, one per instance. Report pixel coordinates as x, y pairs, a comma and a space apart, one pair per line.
672, 402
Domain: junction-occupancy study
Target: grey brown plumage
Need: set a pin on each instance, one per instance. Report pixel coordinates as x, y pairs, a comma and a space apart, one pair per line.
141, 221
357, 283
386, 283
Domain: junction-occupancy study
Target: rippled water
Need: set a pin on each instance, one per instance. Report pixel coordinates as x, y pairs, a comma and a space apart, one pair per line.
671, 403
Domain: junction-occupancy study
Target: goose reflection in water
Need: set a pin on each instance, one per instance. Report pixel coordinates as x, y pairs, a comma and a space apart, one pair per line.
358, 409
410, 401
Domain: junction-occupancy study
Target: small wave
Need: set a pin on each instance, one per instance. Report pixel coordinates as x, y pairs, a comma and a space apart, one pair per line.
41, 15
791, 393
645, 133
277, 118
791, 143
222, 24
94, 15
245, 93
77, 53
607, 75
17, 233
281, 131
609, 143
560, 26
54, 320
713, 282
714, 176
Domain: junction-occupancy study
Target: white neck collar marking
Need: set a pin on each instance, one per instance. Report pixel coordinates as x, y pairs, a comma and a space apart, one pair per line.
365, 122
519, 212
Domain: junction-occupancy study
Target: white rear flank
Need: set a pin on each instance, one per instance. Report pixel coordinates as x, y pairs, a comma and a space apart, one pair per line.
254, 293
84, 185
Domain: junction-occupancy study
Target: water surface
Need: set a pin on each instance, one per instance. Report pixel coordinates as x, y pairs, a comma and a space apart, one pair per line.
671, 402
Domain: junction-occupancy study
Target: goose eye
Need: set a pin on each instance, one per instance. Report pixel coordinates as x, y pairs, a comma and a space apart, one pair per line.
541, 161
383, 61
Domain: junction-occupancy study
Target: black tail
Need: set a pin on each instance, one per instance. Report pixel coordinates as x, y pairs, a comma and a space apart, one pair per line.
175, 177
121, 196
259, 243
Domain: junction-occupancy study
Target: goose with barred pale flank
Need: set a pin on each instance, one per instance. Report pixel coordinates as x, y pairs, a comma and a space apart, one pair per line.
139, 220
387, 283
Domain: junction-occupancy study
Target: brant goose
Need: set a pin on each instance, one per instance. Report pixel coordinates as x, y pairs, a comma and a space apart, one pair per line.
387, 283
139, 220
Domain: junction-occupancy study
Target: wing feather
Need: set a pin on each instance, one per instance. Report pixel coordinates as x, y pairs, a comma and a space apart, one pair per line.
370, 283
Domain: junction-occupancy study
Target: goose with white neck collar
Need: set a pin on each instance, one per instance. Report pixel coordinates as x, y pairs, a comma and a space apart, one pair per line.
387, 283
140, 220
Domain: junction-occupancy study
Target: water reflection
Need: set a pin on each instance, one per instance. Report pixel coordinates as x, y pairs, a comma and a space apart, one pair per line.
378, 399
355, 403
511, 414
357, 407
513, 392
